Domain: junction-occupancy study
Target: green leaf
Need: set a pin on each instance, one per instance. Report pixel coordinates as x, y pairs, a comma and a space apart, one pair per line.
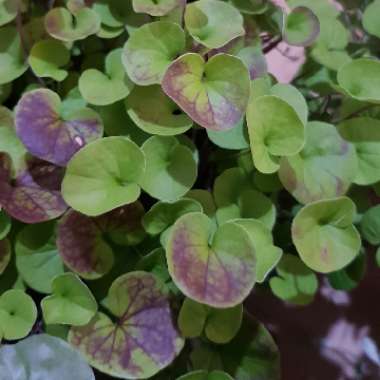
370, 20
361, 79
8, 11
213, 93
252, 354
325, 167
71, 302
349, 277
236, 198
59, 23
103, 176
370, 225
251, 6
150, 50
163, 215
364, 134
156, 113
155, 7
217, 270
219, 325
100, 88
267, 254
301, 27
275, 130
295, 282
205, 198
324, 235
235, 138
12, 62
17, 314
37, 258
213, 23
171, 169
44, 357
192, 318
204, 375
47, 57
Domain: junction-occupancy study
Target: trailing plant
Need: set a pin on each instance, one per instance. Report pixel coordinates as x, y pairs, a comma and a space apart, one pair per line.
153, 174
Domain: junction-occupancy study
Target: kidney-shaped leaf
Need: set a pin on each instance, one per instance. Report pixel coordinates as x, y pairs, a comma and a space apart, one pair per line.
155, 7
150, 49
103, 176
102, 89
370, 20
163, 215
17, 314
370, 225
220, 274
156, 113
324, 168
295, 282
34, 195
214, 94
213, 23
12, 62
267, 254
45, 357
142, 341
324, 235
71, 302
275, 130
364, 134
360, 78
204, 375
83, 241
219, 325
302, 27
49, 136
252, 354
37, 258
60, 25
171, 169
47, 57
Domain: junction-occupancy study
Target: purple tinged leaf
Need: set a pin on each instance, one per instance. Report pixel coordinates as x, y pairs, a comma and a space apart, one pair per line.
80, 238
142, 341
34, 195
214, 94
46, 134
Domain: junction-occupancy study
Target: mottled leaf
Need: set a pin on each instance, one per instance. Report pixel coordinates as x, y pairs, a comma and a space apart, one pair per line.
49, 136
324, 235
214, 94
60, 24
213, 23
33, 196
150, 50
83, 242
325, 167
220, 274
142, 341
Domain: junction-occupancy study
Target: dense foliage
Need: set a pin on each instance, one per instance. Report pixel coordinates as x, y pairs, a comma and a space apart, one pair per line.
152, 173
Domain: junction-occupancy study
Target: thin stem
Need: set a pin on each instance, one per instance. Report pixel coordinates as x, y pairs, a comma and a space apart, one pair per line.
272, 44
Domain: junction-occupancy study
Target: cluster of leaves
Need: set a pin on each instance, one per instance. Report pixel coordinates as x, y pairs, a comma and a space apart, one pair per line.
152, 172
